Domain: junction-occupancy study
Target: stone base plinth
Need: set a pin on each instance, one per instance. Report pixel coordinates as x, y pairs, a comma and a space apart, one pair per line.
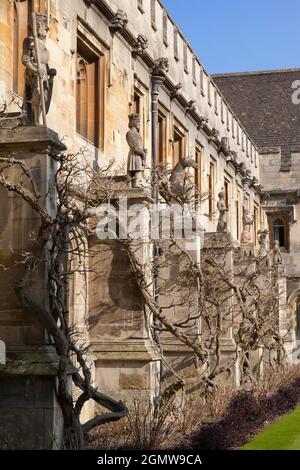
30, 417
127, 369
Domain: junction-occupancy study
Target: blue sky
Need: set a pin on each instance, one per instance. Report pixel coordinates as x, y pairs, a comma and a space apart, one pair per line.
241, 35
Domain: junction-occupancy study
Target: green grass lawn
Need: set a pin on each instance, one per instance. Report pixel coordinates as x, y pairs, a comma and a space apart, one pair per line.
284, 434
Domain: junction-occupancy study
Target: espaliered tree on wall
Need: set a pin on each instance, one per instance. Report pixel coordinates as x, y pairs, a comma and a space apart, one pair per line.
215, 300
60, 246
212, 299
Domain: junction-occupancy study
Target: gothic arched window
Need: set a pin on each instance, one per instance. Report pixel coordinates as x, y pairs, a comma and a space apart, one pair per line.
279, 230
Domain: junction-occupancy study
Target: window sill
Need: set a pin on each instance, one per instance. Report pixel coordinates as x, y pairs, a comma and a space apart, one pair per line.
89, 142
154, 27
141, 9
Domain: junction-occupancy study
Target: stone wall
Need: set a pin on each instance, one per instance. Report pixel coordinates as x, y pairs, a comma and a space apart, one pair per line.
30, 417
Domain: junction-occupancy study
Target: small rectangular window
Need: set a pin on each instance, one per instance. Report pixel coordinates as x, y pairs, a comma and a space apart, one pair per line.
185, 58
176, 44
211, 187
202, 81
162, 137
222, 111
165, 28
209, 92
90, 94
179, 143
237, 215
228, 120
153, 14
243, 141
255, 225
216, 102
226, 193
238, 133
194, 70
198, 172
233, 127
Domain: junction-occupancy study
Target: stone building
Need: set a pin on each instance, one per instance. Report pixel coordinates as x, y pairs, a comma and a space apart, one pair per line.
264, 102
107, 54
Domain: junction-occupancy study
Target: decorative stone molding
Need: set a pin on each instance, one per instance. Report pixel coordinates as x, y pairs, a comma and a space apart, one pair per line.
160, 67
203, 121
140, 46
175, 93
225, 146
118, 22
191, 107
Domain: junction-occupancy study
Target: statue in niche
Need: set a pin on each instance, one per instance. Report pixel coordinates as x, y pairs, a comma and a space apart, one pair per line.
247, 224
263, 242
137, 154
32, 95
222, 222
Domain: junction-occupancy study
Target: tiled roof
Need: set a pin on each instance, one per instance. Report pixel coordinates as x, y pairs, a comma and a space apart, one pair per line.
263, 102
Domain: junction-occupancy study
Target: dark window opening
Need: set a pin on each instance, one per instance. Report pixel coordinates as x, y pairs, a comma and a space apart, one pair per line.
178, 146
279, 233
161, 138
90, 94
279, 230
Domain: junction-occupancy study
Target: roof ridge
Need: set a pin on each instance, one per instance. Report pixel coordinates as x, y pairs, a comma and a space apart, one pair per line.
257, 72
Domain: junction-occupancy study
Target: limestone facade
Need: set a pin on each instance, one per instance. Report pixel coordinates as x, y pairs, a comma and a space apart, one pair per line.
113, 46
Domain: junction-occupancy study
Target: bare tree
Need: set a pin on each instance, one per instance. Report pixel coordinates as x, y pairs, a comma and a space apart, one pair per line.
60, 245
211, 298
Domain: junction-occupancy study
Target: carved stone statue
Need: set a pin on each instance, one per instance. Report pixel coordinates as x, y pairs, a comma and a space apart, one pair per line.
119, 21
137, 154
140, 46
277, 256
222, 222
215, 137
232, 157
175, 92
247, 224
225, 146
161, 66
32, 95
263, 242
180, 184
191, 107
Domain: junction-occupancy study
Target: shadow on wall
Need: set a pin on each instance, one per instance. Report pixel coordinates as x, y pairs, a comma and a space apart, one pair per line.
114, 298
